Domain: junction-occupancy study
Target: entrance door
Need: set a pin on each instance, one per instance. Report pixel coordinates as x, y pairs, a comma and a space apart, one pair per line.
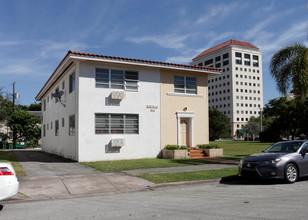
184, 131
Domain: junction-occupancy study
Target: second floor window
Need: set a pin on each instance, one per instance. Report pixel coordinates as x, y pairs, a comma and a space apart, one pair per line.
72, 83
185, 84
116, 79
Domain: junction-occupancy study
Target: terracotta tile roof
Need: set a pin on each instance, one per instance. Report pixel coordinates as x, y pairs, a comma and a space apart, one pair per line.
144, 61
225, 44
83, 54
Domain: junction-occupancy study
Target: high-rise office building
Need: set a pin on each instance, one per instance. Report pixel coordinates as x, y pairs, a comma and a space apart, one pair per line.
237, 91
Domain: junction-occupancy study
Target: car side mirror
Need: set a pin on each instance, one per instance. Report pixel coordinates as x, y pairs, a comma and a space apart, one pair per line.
304, 151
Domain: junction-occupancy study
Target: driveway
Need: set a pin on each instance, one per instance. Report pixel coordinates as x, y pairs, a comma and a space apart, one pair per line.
39, 163
50, 176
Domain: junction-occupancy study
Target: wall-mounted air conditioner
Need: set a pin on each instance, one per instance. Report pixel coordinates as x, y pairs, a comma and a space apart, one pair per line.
117, 95
118, 142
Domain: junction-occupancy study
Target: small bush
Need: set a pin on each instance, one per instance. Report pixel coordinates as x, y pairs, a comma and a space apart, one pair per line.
208, 146
175, 147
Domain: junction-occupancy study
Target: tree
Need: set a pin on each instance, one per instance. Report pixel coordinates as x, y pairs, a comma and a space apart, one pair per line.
35, 107
252, 128
219, 124
26, 126
287, 116
289, 66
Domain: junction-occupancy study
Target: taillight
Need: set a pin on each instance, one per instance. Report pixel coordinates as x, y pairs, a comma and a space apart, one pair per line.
5, 171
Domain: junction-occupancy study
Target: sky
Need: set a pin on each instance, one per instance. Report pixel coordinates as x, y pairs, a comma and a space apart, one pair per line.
35, 35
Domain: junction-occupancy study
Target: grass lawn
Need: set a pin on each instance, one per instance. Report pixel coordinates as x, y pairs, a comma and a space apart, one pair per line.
9, 156
189, 176
236, 150
120, 165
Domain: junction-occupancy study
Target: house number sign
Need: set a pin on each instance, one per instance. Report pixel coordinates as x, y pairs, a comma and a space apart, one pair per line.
152, 107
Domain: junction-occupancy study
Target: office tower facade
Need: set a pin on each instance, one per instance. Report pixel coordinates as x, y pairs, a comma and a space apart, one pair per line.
238, 90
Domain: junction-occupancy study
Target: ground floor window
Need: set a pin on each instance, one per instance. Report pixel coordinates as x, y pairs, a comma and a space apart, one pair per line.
72, 125
116, 123
57, 128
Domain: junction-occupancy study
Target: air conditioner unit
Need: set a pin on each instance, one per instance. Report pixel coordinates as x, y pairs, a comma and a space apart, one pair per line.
117, 95
119, 142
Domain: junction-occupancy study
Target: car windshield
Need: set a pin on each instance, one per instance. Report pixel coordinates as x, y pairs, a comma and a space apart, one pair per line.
284, 147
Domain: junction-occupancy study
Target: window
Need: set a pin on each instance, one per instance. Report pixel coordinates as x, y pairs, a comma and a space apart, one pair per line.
131, 80
44, 105
238, 61
208, 62
185, 84
247, 63
57, 128
200, 64
56, 91
63, 122
63, 85
226, 62
255, 57
237, 54
72, 83
44, 130
255, 64
116, 124
217, 59
218, 65
116, 79
225, 56
71, 130
247, 56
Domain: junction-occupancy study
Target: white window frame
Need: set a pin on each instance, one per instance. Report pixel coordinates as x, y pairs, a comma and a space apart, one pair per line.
122, 126
125, 84
185, 89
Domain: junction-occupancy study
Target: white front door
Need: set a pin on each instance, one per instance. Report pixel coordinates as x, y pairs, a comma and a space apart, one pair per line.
184, 132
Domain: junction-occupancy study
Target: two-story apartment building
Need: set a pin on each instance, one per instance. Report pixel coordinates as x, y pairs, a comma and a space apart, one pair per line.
98, 107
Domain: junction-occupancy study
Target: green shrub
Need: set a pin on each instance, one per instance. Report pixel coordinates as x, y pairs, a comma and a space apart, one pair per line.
208, 146
175, 147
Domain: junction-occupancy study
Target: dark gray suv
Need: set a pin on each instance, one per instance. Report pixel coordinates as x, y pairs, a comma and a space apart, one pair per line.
284, 160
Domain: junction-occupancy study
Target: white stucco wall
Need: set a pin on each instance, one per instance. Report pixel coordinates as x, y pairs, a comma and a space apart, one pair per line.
95, 147
63, 144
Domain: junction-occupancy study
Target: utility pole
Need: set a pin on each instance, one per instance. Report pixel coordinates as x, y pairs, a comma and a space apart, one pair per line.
14, 133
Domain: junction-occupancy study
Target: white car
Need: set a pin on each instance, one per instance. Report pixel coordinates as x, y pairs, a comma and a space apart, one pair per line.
8, 181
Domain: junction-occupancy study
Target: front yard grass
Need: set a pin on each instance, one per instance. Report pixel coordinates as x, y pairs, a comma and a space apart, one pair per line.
121, 165
189, 176
9, 156
236, 150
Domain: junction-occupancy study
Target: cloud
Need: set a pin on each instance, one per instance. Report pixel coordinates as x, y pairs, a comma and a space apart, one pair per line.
40, 61
292, 34
220, 12
165, 41
180, 59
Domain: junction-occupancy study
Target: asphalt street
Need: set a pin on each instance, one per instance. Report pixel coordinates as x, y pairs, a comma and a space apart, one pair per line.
228, 200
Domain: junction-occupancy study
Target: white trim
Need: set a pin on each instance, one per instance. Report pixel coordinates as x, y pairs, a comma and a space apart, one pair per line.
189, 115
184, 94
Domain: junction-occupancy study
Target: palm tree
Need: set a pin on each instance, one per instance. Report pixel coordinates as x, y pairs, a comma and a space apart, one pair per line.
289, 66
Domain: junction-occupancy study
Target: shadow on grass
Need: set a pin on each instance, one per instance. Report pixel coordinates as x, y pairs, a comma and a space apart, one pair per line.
189, 162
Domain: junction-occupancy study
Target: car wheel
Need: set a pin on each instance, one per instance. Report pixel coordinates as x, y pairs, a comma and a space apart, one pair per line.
291, 173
